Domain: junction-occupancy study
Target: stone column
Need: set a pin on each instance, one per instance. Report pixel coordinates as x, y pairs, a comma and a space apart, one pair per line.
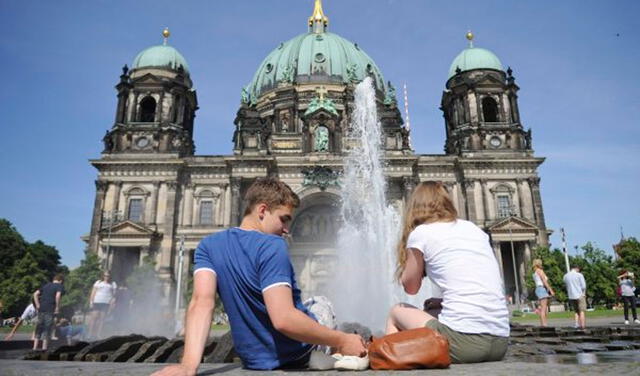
236, 201
519, 183
521, 265
469, 189
498, 253
227, 205
96, 219
166, 246
116, 194
153, 204
135, 108
485, 205
534, 183
159, 107
187, 219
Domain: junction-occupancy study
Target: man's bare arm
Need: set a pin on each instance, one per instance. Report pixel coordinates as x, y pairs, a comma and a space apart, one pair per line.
36, 299
198, 324
57, 308
293, 323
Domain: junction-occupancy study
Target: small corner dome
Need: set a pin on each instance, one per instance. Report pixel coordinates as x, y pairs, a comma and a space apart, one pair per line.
475, 58
162, 56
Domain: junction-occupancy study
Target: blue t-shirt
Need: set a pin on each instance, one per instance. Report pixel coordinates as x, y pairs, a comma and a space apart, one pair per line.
246, 264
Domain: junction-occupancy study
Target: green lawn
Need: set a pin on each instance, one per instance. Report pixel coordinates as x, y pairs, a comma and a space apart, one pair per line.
567, 315
22, 329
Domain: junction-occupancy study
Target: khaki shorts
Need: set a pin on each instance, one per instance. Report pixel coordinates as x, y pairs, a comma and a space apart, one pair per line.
578, 305
471, 348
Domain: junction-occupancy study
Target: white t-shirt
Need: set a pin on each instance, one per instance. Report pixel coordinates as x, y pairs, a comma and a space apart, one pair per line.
104, 291
460, 261
29, 313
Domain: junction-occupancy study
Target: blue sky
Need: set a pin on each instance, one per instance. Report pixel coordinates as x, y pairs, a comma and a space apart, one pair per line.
575, 62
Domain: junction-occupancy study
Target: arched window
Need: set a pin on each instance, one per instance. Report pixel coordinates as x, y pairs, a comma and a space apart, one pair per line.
148, 110
135, 204
206, 212
135, 209
489, 110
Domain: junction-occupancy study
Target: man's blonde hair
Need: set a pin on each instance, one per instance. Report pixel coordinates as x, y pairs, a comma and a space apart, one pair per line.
271, 192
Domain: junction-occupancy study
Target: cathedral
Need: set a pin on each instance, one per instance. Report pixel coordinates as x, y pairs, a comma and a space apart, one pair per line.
155, 199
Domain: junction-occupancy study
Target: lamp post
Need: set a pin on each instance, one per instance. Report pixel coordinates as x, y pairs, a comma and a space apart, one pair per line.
564, 248
179, 282
112, 216
513, 260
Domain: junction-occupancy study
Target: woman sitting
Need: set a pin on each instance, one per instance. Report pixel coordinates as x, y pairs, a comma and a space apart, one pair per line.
458, 258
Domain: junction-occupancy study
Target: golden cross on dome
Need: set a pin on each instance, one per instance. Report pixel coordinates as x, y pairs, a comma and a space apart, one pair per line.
318, 17
321, 91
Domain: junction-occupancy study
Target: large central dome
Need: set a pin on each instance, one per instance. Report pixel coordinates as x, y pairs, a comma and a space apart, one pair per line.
314, 57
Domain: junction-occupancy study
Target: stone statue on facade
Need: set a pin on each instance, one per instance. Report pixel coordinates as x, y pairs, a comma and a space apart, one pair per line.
244, 96
321, 139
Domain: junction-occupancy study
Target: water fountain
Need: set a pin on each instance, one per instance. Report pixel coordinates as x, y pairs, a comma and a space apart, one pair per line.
363, 287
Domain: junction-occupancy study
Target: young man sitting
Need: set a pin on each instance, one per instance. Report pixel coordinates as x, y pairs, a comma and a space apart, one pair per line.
249, 266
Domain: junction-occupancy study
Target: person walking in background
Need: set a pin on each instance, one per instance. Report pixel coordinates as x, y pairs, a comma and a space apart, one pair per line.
101, 300
577, 293
47, 302
544, 291
628, 295
28, 314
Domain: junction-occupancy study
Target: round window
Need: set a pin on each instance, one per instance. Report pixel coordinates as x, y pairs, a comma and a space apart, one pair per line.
142, 142
319, 58
269, 67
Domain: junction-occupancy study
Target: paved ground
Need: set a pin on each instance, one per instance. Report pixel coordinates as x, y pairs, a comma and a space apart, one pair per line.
16, 367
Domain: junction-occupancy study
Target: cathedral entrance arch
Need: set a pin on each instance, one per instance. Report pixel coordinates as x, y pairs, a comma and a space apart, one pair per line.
313, 241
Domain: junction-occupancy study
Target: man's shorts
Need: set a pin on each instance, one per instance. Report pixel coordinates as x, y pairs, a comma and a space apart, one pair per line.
44, 327
471, 348
578, 305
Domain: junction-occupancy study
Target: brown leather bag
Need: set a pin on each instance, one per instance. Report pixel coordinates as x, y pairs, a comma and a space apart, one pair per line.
410, 349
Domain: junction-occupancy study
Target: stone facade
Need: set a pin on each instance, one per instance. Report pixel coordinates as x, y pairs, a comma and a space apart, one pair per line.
153, 192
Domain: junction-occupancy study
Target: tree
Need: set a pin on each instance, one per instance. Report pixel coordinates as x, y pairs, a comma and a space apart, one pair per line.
554, 267
24, 266
48, 258
79, 282
629, 252
12, 247
24, 278
600, 274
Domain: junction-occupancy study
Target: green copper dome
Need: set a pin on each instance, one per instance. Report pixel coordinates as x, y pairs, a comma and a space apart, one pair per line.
160, 56
314, 57
475, 58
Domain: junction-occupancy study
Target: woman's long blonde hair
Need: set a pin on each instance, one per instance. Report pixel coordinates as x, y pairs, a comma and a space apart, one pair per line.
429, 202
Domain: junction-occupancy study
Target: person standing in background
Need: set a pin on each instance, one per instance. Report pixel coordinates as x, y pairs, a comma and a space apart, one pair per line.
101, 301
577, 293
628, 295
47, 302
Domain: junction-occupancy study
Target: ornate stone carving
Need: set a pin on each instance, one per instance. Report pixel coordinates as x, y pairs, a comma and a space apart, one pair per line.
321, 177
352, 74
101, 186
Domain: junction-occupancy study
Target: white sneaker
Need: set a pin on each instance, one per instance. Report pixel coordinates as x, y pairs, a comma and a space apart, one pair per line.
351, 362
321, 361
636, 321
626, 322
